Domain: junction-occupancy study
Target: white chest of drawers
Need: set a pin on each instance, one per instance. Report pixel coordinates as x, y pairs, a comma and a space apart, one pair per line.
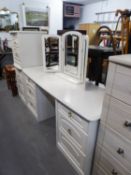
113, 152
27, 49
75, 138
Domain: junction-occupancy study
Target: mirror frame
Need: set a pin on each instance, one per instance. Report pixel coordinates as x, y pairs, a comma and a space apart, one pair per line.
44, 55
82, 56
10, 12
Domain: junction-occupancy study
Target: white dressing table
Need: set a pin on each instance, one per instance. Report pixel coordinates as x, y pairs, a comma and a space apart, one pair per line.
77, 107
78, 111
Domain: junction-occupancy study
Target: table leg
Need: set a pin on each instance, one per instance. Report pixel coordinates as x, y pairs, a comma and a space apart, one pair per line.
99, 61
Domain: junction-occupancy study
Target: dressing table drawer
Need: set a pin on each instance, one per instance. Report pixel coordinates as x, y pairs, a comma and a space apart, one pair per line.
73, 117
30, 83
122, 84
74, 132
15, 43
31, 92
111, 165
119, 117
119, 147
98, 170
32, 108
71, 151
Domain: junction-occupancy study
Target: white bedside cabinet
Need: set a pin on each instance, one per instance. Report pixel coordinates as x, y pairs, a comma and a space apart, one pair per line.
113, 152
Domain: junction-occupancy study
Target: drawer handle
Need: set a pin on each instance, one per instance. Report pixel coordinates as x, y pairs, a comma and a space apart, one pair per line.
127, 124
70, 114
69, 131
120, 151
114, 172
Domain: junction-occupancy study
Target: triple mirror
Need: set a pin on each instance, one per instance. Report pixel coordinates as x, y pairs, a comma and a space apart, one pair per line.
66, 54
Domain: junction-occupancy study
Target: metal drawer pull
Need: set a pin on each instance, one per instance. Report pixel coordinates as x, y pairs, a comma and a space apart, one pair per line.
127, 124
114, 172
120, 151
69, 131
70, 114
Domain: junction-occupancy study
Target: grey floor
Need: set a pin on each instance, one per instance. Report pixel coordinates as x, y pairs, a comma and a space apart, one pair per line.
27, 147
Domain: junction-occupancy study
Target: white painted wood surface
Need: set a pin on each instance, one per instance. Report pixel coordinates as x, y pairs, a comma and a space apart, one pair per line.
113, 152
87, 102
76, 143
27, 49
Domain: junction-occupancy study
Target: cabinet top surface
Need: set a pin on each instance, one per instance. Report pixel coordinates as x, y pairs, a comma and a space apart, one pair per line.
26, 32
85, 101
121, 59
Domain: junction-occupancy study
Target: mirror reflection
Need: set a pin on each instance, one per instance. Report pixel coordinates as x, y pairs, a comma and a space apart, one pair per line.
8, 20
52, 52
71, 50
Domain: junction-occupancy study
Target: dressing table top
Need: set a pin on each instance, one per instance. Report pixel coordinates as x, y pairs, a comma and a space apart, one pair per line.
87, 102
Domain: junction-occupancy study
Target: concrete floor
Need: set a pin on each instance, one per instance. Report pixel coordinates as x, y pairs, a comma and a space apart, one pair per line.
27, 147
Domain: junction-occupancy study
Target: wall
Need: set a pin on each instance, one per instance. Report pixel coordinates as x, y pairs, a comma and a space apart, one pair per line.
56, 11
88, 14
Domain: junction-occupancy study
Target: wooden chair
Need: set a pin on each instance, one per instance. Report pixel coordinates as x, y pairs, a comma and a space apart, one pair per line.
98, 55
125, 29
11, 79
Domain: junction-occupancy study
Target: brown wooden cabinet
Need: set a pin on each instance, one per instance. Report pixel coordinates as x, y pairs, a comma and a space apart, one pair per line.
91, 30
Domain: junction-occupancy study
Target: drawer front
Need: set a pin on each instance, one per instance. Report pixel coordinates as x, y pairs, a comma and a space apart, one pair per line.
72, 152
19, 77
110, 77
21, 88
30, 83
79, 137
31, 92
15, 43
31, 103
118, 147
111, 165
122, 84
18, 72
16, 58
73, 117
105, 108
119, 118
32, 108
22, 97
97, 170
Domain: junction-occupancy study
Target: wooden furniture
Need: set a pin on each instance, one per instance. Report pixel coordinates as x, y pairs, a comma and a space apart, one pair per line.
91, 30
76, 116
5, 59
113, 152
11, 78
71, 15
125, 29
106, 45
98, 54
